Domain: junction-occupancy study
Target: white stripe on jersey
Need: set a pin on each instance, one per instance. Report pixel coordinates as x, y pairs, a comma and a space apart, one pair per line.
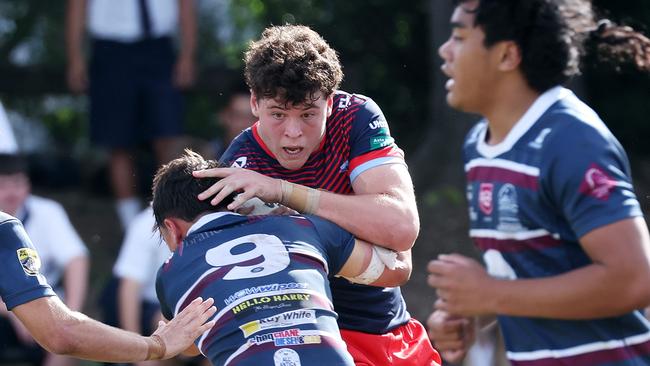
505, 235
578, 350
247, 345
291, 248
503, 164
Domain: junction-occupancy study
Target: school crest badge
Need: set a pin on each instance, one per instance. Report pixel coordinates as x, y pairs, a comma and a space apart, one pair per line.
29, 260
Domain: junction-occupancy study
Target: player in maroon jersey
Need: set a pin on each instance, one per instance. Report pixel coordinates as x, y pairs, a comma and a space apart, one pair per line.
319, 150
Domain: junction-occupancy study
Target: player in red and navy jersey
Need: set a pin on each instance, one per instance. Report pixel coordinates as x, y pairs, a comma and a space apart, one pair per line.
326, 152
268, 274
53, 325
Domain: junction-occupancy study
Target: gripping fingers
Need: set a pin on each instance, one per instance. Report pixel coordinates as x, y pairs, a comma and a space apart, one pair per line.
214, 189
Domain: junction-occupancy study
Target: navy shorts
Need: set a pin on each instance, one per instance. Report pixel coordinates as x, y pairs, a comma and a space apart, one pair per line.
132, 96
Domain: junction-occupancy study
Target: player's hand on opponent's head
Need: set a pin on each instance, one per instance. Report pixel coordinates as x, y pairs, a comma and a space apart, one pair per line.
451, 335
179, 333
249, 183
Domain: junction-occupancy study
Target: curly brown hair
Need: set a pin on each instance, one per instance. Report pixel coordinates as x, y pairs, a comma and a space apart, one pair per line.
291, 62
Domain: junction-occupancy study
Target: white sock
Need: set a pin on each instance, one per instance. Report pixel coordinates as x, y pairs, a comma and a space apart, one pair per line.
127, 209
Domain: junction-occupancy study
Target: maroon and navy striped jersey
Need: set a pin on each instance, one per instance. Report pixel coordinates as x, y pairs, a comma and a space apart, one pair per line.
357, 138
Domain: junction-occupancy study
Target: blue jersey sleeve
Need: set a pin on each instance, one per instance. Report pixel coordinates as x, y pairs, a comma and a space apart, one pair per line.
587, 177
162, 299
21, 280
337, 243
370, 141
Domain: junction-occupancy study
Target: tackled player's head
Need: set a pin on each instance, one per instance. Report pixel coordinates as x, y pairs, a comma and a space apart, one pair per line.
292, 63
552, 36
175, 190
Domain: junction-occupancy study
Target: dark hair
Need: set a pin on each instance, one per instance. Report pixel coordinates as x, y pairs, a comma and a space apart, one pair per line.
175, 190
553, 35
291, 62
13, 164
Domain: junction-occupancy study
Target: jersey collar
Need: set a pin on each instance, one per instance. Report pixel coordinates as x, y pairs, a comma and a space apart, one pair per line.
208, 218
534, 112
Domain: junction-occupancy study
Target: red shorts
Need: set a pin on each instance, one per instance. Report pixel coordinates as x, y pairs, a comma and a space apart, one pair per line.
407, 345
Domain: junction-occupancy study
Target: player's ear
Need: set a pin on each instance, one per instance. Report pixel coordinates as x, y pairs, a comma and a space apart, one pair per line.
510, 55
172, 233
255, 105
330, 104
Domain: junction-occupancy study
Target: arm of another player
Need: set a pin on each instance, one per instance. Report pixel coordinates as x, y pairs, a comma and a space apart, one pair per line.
620, 268
376, 266
382, 210
63, 331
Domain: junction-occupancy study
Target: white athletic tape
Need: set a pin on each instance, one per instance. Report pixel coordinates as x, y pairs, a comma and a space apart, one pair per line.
259, 207
387, 256
372, 273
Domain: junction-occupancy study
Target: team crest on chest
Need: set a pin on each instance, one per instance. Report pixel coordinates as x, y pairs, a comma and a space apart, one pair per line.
508, 208
485, 197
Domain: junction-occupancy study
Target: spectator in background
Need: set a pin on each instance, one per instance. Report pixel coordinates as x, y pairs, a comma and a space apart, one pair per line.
134, 80
141, 254
235, 117
551, 201
7, 139
63, 254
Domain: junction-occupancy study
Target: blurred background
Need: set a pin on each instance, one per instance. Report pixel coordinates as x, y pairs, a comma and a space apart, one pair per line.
389, 52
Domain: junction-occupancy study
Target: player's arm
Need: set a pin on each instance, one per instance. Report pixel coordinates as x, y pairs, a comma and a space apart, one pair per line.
376, 266
616, 282
382, 210
63, 331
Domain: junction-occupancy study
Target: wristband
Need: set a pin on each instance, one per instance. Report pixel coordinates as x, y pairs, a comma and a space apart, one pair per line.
300, 198
156, 348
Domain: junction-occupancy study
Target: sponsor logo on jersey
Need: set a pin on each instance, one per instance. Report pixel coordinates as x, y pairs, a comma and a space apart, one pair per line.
379, 123
240, 162
344, 102
288, 337
29, 260
286, 357
380, 141
268, 300
508, 209
539, 140
485, 197
262, 289
344, 166
597, 183
287, 319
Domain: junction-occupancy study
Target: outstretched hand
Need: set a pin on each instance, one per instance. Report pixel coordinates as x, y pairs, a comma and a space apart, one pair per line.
189, 324
462, 284
249, 183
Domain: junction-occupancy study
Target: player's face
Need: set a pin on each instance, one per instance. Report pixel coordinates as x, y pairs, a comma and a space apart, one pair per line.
467, 62
14, 189
292, 132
